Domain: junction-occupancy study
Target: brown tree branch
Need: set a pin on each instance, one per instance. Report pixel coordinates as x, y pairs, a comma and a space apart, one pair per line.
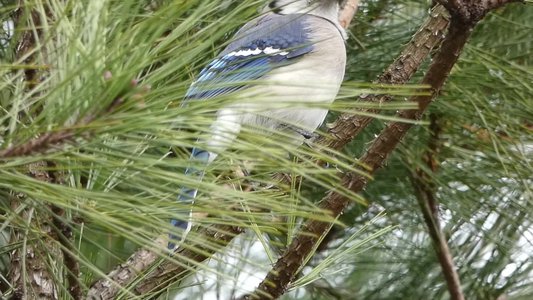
50, 139
39, 144
470, 11
425, 193
344, 130
169, 270
290, 263
29, 272
26, 41
430, 34
63, 235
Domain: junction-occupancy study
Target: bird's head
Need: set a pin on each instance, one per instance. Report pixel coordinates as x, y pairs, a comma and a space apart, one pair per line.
328, 9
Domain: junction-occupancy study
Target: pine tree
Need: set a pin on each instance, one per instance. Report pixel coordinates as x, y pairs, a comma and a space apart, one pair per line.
94, 141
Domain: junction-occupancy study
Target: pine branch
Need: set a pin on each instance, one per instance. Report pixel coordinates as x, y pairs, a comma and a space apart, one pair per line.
348, 126
400, 71
51, 139
290, 263
471, 12
172, 269
29, 273
425, 193
431, 34
64, 236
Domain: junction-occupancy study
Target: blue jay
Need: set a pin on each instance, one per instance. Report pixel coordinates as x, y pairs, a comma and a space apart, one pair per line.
296, 53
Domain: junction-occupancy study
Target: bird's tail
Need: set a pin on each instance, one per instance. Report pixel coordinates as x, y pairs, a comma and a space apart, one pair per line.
198, 161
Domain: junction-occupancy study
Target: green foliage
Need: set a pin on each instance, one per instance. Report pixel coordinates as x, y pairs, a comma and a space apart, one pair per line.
113, 74
483, 182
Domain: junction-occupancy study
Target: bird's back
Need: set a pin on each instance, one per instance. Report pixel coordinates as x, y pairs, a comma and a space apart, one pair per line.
300, 84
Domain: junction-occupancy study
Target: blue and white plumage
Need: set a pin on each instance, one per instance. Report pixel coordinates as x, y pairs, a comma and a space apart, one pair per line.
296, 54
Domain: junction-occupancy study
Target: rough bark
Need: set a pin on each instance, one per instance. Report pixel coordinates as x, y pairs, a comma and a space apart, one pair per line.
30, 271
64, 236
430, 34
167, 270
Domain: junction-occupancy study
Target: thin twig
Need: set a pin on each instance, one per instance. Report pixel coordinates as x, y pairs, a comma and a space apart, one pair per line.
425, 193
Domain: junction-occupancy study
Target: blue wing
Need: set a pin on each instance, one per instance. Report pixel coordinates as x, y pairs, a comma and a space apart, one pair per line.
264, 44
